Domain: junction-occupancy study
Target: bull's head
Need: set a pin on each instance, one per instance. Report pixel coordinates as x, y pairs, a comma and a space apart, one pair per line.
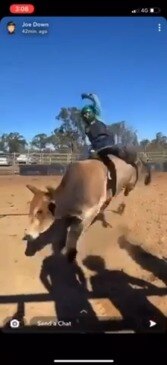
144, 170
41, 212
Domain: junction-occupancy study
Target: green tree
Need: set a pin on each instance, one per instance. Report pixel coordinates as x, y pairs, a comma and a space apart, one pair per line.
40, 141
14, 142
3, 143
123, 133
158, 143
144, 144
161, 139
71, 129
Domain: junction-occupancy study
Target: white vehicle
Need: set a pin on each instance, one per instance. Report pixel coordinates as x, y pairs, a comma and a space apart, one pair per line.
4, 160
25, 159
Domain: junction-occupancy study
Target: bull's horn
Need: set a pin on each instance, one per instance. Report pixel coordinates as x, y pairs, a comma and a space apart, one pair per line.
51, 192
33, 189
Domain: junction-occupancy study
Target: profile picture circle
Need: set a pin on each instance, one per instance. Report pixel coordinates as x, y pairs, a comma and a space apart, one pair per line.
14, 323
11, 27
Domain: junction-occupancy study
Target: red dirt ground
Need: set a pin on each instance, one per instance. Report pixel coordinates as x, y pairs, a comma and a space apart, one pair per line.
134, 247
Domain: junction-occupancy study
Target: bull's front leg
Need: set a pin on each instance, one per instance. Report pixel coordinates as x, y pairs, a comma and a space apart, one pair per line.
128, 189
101, 217
73, 236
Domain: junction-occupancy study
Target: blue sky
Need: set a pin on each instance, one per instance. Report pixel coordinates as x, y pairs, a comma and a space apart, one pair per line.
122, 60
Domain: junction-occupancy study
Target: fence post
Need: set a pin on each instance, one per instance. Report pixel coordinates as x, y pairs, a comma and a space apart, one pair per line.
14, 162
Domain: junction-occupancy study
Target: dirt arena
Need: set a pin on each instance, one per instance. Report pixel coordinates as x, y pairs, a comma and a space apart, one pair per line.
121, 270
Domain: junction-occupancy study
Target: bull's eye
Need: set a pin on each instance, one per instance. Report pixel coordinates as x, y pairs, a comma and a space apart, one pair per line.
39, 211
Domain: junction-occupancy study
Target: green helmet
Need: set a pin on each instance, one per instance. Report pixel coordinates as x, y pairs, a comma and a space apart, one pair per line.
88, 113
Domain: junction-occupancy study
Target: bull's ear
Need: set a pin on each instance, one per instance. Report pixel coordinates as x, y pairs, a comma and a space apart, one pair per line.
50, 192
33, 189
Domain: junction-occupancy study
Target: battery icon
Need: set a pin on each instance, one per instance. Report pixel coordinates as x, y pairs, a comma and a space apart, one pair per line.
155, 10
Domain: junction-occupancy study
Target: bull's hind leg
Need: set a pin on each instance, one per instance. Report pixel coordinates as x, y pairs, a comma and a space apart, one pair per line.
75, 231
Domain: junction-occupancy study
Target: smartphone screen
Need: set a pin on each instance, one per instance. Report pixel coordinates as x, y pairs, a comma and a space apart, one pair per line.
56, 71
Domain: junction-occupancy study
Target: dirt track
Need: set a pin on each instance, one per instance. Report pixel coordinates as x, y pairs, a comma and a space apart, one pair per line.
133, 248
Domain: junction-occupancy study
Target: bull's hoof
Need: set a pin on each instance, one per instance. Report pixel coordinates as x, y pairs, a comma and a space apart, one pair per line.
106, 224
71, 255
121, 208
126, 192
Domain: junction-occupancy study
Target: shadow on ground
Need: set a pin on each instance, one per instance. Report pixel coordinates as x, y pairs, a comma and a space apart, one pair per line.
66, 286
145, 259
128, 294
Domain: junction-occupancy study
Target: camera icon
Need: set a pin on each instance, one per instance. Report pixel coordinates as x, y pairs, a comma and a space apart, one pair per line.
14, 323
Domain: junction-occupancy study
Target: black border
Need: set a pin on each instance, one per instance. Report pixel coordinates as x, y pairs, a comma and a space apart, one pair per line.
123, 348
85, 7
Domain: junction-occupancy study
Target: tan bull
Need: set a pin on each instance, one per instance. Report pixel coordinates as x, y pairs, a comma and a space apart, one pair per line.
83, 193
